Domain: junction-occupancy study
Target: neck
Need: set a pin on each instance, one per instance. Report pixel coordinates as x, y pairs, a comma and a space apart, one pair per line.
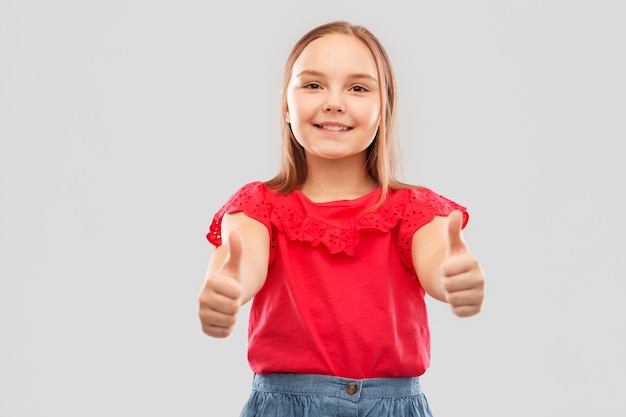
330, 180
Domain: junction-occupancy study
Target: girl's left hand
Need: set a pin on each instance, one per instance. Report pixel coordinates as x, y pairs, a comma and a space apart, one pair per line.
462, 276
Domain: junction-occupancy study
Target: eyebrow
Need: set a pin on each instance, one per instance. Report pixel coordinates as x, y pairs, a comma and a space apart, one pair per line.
351, 76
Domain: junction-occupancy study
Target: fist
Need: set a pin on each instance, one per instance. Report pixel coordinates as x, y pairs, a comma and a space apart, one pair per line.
220, 295
462, 276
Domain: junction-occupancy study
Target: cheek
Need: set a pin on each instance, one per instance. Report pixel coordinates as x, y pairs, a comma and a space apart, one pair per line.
292, 114
368, 111
299, 112
291, 108
372, 116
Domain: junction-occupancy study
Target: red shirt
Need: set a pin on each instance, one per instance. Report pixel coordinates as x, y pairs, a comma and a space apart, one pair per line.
341, 296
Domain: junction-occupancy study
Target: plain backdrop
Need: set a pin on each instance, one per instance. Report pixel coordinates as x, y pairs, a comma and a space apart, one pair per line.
125, 125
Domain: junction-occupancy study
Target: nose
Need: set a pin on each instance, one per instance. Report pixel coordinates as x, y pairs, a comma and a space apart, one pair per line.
334, 108
334, 104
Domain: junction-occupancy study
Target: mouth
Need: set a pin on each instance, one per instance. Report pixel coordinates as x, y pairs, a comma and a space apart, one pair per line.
333, 128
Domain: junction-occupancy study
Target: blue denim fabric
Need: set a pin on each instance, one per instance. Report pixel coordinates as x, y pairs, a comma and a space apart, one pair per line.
303, 395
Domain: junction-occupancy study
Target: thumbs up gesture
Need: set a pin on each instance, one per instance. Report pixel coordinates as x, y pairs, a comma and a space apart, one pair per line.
463, 280
220, 297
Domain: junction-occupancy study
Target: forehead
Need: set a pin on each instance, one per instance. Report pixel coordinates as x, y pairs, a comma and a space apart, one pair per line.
336, 52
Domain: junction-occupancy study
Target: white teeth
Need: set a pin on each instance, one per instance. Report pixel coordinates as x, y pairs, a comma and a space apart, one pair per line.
335, 128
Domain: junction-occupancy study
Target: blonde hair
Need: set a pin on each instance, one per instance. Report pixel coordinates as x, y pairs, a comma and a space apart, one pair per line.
382, 152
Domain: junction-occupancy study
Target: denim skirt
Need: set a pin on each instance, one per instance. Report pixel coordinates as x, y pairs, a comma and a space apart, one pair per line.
305, 395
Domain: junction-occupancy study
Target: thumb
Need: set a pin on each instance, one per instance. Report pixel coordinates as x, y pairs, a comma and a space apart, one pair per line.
456, 245
232, 263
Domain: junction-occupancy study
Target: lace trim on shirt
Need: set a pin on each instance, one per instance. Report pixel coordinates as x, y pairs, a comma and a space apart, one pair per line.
413, 208
315, 231
422, 206
252, 200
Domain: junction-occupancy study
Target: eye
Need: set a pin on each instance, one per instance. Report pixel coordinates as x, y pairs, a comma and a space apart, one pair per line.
312, 86
359, 89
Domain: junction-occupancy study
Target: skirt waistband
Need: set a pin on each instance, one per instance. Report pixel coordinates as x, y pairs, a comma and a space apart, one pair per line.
325, 385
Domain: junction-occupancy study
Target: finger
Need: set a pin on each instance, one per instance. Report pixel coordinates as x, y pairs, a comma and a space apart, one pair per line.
221, 296
455, 239
459, 264
463, 298
216, 330
232, 263
217, 319
458, 285
464, 279
466, 310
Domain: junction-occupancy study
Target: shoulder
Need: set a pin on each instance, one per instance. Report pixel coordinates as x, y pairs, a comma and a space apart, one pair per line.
250, 200
422, 204
250, 188
249, 196
420, 194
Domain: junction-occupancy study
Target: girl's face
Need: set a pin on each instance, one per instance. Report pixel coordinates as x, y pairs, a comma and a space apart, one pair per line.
333, 98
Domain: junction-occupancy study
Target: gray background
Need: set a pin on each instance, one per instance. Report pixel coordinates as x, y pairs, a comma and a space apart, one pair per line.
125, 124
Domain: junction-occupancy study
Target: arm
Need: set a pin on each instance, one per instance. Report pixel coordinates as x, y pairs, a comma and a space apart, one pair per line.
445, 267
428, 251
237, 270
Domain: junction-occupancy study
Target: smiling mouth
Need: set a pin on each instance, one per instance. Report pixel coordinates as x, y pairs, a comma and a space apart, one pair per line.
334, 128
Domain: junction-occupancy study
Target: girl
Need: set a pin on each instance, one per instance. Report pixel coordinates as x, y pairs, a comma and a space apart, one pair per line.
336, 252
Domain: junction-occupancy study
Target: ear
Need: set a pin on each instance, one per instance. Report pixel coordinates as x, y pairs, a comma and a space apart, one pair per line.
287, 118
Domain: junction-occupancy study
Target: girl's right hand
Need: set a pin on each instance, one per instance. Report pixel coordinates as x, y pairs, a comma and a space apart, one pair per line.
220, 297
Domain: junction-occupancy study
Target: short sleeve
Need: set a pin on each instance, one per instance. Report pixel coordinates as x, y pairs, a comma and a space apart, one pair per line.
422, 205
250, 199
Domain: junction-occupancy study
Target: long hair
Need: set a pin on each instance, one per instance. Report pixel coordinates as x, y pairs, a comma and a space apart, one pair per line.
383, 151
